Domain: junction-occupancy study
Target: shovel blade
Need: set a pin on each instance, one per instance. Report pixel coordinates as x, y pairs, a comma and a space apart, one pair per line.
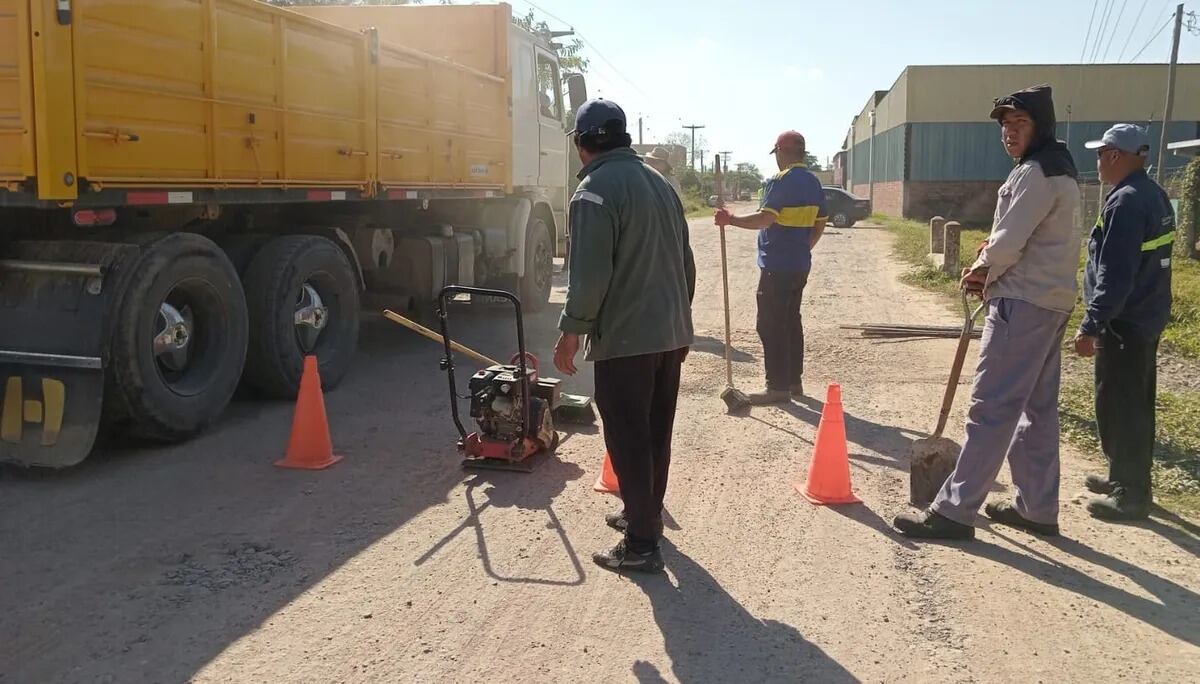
932, 461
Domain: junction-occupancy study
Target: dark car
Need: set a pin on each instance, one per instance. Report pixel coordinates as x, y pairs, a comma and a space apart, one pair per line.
845, 209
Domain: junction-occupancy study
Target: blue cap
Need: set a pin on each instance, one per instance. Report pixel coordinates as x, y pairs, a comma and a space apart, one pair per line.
594, 114
1125, 137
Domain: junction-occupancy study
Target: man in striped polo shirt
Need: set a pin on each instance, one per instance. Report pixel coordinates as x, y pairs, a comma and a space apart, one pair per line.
790, 222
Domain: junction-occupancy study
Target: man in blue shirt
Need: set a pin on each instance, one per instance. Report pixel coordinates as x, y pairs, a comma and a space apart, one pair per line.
790, 221
1127, 294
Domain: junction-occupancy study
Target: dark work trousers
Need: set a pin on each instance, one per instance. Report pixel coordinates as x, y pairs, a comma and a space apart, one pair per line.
781, 328
636, 396
1126, 382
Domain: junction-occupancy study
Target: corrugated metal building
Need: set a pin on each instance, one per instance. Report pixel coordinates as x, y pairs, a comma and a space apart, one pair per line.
928, 147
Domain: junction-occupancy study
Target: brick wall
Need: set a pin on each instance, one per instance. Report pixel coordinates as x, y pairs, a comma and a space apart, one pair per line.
889, 197
968, 201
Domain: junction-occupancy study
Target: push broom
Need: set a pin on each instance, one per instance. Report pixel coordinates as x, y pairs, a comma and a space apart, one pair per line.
735, 399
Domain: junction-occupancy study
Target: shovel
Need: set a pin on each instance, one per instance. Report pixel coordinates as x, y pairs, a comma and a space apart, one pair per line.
735, 399
933, 458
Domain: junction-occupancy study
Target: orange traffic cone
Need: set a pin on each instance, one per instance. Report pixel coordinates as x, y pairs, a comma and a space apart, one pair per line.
309, 447
607, 482
829, 472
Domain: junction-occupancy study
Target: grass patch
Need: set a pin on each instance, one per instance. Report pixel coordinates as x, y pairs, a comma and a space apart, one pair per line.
1176, 469
1182, 336
694, 205
913, 248
1177, 450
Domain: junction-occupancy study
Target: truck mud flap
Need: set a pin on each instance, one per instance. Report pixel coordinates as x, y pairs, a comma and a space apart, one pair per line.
55, 304
49, 415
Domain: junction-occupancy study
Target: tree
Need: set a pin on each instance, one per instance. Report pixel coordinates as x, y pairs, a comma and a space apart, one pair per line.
685, 139
750, 171
811, 161
570, 55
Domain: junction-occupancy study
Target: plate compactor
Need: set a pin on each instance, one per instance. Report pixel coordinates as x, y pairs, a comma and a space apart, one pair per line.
512, 407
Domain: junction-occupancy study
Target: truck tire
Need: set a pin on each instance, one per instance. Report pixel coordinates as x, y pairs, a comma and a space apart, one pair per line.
302, 295
178, 343
539, 266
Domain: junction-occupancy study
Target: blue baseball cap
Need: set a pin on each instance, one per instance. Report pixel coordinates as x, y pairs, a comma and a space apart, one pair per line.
595, 114
1125, 137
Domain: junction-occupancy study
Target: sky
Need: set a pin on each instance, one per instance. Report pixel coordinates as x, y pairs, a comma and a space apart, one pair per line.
749, 70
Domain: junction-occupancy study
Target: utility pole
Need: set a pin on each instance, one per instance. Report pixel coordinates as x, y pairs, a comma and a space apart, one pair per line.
701, 160
1166, 121
639, 130
725, 167
871, 164
692, 128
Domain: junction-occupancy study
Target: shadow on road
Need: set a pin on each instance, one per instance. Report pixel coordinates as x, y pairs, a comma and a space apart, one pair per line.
711, 345
710, 637
892, 443
862, 514
511, 490
155, 560
1175, 612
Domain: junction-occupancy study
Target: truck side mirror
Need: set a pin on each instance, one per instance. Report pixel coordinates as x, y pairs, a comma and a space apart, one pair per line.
576, 92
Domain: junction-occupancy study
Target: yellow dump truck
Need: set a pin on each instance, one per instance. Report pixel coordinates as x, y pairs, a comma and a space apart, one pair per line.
196, 194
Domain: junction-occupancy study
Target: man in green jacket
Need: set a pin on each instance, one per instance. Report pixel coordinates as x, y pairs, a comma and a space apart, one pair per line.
632, 278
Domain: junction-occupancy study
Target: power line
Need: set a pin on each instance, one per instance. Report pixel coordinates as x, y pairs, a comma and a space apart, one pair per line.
1132, 30
1082, 55
590, 44
1153, 38
1108, 5
1113, 33
1088, 36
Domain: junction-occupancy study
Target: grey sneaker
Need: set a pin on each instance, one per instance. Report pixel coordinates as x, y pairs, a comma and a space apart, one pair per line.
620, 558
1007, 514
929, 525
1119, 506
770, 396
1099, 484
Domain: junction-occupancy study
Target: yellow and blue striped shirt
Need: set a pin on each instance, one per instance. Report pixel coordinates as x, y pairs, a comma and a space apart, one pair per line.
794, 196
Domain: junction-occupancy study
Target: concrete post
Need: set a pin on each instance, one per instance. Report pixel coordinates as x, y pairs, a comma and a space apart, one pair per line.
952, 249
937, 225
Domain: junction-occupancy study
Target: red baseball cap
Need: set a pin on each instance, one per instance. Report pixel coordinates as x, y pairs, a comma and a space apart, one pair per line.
788, 139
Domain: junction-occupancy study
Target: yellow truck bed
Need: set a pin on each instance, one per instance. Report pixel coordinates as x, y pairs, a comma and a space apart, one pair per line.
238, 93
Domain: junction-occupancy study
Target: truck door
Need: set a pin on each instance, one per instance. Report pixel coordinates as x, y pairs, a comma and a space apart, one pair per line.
552, 169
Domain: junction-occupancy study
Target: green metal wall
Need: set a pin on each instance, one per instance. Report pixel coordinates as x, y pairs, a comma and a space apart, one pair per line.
889, 157
972, 151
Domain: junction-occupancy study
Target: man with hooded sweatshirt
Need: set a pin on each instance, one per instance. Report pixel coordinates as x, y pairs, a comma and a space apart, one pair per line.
1027, 274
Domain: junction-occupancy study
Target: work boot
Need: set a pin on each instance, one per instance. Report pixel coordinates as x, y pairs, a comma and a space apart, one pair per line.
930, 525
617, 520
798, 390
620, 558
1006, 514
1119, 506
1098, 484
770, 396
